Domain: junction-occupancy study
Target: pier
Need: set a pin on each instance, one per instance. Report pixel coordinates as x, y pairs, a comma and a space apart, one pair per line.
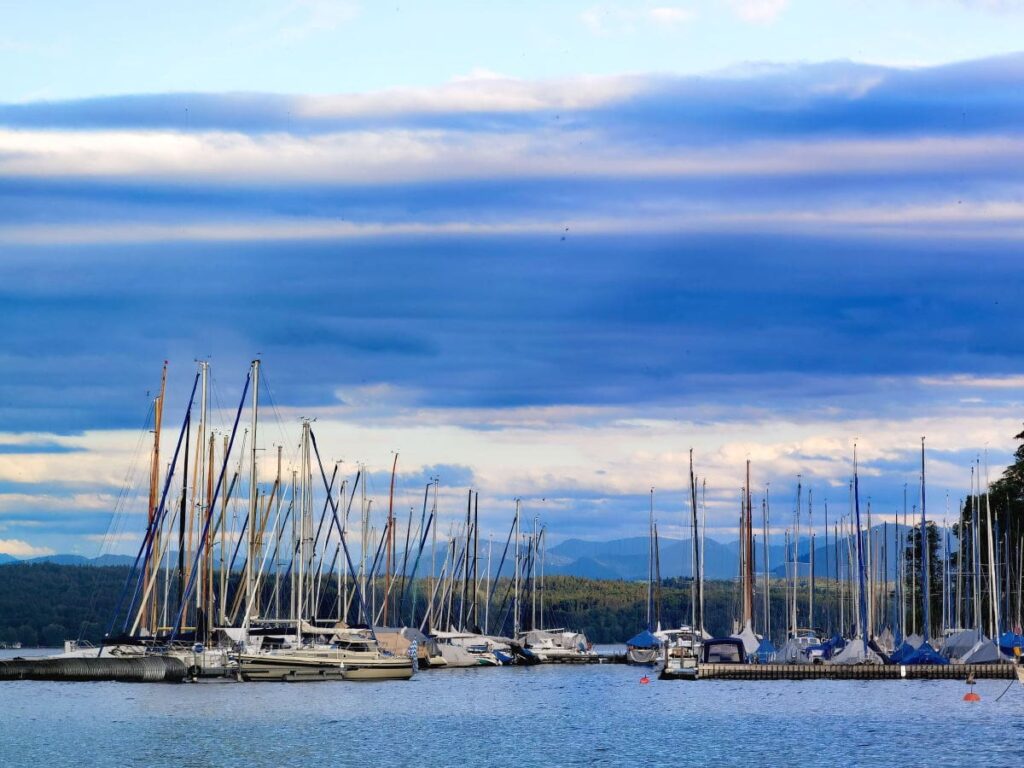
854, 672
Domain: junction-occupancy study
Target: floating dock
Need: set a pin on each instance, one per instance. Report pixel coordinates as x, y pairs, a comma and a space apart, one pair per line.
140, 669
854, 672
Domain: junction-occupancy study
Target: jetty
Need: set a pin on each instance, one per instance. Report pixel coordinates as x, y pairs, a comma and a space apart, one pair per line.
854, 672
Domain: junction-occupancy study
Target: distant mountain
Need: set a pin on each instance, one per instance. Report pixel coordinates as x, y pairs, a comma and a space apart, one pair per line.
7, 559
628, 558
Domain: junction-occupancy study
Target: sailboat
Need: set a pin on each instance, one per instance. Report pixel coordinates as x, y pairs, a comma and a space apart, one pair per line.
645, 648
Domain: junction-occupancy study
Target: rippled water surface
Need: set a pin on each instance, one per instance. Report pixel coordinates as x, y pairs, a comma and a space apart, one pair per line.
547, 715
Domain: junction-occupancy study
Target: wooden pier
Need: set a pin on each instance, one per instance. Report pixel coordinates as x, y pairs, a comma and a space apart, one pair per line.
854, 672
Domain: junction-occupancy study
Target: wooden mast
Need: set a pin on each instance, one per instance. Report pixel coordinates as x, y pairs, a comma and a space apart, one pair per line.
154, 483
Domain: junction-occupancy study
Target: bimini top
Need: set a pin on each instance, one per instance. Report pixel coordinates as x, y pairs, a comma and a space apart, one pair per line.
723, 650
644, 639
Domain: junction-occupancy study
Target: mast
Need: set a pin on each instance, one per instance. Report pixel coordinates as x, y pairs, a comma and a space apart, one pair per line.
390, 543
810, 533
650, 560
766, 566
515, 596
154, 483
254, 477
697, 598
993, 580
925, 575
181, 516
748, 546
796, 556
862, 609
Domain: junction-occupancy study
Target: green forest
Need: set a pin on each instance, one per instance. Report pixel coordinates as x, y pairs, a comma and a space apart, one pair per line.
44, 604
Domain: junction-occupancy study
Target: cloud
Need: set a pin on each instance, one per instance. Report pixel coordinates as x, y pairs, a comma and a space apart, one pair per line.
671, 15
758, 11
546, 292
18, 548
608, 19
1002, 6
966, 381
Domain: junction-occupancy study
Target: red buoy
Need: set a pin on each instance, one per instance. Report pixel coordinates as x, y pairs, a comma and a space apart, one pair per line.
645, 680
971, 696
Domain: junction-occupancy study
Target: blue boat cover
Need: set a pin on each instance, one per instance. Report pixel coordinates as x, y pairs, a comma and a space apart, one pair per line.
1010, 640
644, 640
765, 651
925, 655
901, 654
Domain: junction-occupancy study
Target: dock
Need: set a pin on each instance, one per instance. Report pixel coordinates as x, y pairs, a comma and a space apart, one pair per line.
854, 672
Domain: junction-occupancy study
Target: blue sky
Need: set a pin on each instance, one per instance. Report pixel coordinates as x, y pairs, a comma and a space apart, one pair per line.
544, 250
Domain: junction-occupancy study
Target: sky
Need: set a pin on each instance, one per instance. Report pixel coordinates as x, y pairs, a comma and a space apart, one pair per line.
542, 252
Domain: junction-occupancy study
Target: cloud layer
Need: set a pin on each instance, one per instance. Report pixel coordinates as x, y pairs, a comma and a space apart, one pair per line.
555, 288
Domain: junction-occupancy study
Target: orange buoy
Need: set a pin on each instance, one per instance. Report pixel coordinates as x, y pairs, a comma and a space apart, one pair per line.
971, 696
645, 680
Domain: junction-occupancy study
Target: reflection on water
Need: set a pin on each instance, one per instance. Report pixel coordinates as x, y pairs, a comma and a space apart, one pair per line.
547, 715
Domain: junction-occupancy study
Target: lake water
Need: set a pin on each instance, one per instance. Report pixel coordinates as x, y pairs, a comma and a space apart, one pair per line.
532, 716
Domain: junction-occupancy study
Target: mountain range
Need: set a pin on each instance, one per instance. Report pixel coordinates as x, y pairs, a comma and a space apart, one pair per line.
616, 559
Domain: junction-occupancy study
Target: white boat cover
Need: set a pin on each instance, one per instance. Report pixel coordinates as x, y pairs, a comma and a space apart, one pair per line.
791, 653
751, 641
886, 641
856, 652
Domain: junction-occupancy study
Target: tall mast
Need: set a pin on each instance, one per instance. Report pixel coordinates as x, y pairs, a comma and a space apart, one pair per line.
925, 558
650, 559
390, 543
515, 596
862, 609
695, 549
253, 479
993, 579
154, 483
201, 481
183, 510
810, 576
796, 555
748, 546
766, 565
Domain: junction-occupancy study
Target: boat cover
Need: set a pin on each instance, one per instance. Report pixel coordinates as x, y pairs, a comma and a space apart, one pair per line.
925, 656
751, 642
983, 652
645, 639
856, 652
766, 652
791, 652
960, 643
1010, 640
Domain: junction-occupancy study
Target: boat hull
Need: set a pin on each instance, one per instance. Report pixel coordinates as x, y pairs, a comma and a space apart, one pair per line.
288, 669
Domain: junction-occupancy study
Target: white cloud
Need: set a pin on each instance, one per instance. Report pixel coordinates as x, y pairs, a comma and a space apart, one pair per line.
758, 11
671, 15
479, 91
19, 548
393, 155
608, 19
996, 219
970, 381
